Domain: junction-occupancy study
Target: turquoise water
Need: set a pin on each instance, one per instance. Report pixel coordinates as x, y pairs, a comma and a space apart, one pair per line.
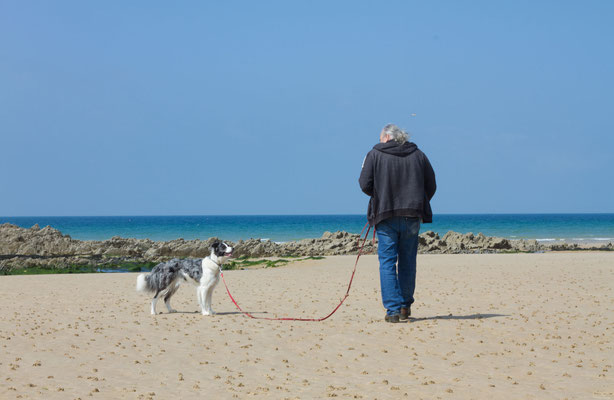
281, 228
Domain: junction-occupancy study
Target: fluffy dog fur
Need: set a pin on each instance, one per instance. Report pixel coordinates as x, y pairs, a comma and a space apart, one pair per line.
165, 278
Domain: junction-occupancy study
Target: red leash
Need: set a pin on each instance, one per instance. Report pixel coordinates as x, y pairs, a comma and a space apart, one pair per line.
347, 293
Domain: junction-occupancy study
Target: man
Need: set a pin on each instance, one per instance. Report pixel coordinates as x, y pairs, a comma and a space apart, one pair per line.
401, 182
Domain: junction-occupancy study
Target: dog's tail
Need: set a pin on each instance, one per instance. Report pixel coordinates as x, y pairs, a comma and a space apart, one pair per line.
142, 283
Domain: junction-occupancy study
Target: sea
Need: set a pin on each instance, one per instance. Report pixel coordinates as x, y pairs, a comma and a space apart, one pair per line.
581, 228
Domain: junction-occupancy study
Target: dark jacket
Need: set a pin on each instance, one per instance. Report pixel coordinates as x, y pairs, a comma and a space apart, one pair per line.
400, 180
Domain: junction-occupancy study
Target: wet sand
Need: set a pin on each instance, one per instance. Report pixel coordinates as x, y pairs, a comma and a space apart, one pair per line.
506, 326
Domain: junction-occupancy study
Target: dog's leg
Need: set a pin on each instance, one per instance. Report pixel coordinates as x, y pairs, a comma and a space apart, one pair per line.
208, 301
205, 283
153, 303
200, 303
209, 294
167, 300
202, 294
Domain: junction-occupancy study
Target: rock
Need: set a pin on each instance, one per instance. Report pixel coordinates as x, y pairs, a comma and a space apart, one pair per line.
499, 244
526, 245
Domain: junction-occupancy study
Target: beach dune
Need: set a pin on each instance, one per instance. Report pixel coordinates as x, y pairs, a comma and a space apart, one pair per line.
531, 326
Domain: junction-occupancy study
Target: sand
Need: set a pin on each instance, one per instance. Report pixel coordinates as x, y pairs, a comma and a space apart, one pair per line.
507, 326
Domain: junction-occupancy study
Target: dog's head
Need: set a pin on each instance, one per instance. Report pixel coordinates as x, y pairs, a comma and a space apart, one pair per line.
220, 252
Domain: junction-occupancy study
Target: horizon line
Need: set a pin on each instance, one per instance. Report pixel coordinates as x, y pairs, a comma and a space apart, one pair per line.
285, 215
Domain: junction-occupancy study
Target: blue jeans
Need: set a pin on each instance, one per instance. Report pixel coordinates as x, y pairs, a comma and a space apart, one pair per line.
397, 250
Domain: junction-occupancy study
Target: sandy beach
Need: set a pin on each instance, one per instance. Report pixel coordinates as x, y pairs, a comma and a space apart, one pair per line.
514, 326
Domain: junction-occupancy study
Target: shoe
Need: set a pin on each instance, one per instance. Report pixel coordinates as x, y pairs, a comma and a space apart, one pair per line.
392, 318
405, 313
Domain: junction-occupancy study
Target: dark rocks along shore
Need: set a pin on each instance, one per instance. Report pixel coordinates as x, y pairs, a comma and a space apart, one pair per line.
23, 247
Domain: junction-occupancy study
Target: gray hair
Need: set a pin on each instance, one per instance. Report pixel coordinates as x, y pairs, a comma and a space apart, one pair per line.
397, 134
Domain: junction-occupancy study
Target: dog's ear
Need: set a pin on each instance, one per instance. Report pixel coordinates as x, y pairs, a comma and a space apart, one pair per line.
215, 245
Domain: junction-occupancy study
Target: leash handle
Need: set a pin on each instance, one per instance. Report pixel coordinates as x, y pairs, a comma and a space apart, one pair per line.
347, 293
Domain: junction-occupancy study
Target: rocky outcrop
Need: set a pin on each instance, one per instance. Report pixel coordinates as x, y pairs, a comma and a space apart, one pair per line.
22, 247
457, 243
575, 246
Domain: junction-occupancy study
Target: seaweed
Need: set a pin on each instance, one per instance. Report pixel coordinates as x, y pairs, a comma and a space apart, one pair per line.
80, 269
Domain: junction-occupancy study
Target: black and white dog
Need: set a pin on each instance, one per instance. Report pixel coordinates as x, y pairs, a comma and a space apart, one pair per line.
165, 278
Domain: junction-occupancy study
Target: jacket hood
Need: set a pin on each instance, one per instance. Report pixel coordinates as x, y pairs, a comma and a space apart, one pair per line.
395, 149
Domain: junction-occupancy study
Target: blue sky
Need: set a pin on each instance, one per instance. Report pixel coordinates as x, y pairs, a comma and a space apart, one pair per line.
158, 108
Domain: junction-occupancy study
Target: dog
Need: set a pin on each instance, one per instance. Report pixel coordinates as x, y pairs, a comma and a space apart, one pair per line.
165, 278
